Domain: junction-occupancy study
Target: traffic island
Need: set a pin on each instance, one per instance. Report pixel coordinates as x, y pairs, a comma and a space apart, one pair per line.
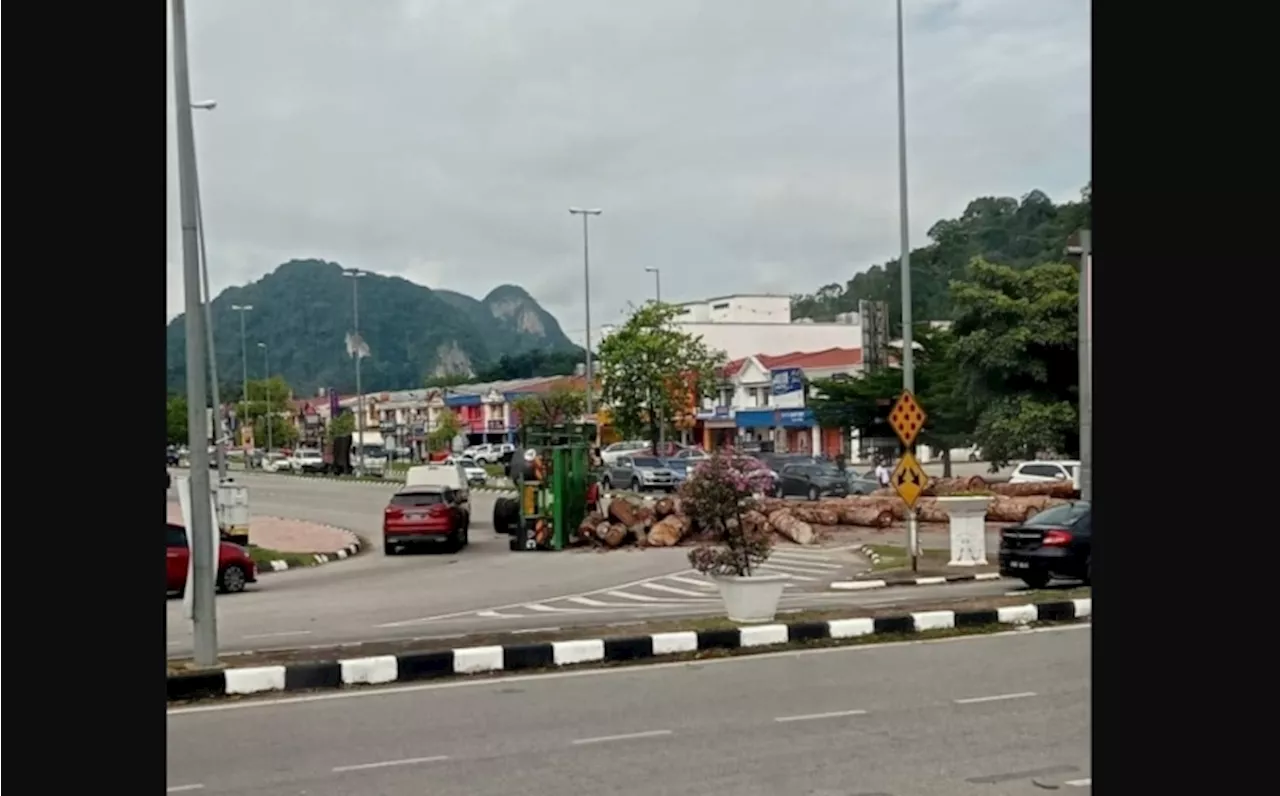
891, 566
636, 643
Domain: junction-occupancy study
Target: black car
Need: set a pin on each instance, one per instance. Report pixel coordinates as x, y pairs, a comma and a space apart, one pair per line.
1056, 543
812, 479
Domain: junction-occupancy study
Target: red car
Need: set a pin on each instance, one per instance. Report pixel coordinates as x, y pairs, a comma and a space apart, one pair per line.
425, 514
235, 567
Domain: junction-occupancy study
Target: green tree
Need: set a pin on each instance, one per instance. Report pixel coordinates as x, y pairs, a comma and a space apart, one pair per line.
1015, 342
284, 434
559, 405
341, 426
176, 419
652, 370
447, 427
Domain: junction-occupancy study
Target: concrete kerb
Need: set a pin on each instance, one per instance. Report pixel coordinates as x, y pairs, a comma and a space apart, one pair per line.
319, 558
417, 666
871, 583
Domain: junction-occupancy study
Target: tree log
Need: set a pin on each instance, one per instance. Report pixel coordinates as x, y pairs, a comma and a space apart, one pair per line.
624, 512
587, 530
816, 514
615, 535
866, 516
664, 507
668, 531
1058, 489
790, 527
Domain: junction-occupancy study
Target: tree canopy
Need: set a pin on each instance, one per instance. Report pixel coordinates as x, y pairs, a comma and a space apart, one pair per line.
652, 371
560, 404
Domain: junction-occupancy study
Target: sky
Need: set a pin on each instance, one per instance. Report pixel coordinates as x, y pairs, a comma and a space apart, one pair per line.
737, 145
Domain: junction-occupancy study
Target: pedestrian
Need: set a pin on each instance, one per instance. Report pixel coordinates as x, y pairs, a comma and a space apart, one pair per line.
882, 473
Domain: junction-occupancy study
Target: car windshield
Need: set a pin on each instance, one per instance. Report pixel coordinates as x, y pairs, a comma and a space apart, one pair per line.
416, 499
826, 471
465, 462
646, 461
1066, 514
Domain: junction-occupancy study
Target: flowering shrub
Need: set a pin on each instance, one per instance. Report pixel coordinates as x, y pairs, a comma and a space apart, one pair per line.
716, 496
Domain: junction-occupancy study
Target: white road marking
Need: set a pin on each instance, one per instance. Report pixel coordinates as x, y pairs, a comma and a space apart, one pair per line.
626, 737
790, 567
995, 698
642, 598
182, 788
738, 660
281, 634
674, 590
701, 584
835, 714
536, 630
549, 609
808, 562
782, 571
1087, 782
589, 601
408, 761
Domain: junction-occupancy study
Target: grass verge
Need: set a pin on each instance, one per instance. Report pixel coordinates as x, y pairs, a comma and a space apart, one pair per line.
894, 561
614, 630
263, 556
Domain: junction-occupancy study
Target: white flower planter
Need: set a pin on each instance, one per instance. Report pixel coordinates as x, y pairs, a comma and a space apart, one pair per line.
751, 599
967, 517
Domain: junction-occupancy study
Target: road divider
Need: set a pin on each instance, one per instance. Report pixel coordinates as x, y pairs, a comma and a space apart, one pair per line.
654, 647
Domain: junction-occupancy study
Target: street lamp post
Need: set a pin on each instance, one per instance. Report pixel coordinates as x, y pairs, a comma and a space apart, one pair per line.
220, 437
904, 261
204, 617
355, 275
586, 289
657, 282
1084, 351
266, 390
244, 360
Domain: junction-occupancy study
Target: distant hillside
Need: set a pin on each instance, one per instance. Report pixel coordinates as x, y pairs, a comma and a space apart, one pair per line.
303, 311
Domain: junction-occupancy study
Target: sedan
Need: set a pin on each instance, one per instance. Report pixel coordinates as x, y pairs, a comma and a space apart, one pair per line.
813, 480
235, 566
1057, 542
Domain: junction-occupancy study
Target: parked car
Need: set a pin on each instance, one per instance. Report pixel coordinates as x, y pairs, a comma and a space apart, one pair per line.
1056, 543
307, 460
490, 453
235, 566
691, 455
860, 484
610, 453
428, 514
640, 473
812, 479
171, 457
274, 462
475, 472
1045, 471
679, 467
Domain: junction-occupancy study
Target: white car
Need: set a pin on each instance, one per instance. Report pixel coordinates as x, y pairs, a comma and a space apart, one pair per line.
475, 472
274, 462
306, 460
611, 453
485, 454
1039, 472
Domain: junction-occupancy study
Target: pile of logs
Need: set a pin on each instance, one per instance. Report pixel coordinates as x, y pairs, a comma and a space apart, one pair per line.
974, 484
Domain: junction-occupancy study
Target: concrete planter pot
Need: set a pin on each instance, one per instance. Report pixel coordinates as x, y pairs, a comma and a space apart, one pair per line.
753, 598
967, 520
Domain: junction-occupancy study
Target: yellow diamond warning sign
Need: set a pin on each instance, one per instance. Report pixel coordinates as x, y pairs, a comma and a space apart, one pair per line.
909, 480
907, 418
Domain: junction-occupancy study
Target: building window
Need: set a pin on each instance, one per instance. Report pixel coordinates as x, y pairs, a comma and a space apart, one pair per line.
724, 305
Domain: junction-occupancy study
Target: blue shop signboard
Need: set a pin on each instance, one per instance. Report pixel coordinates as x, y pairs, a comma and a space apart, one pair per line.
796, 418
787, 380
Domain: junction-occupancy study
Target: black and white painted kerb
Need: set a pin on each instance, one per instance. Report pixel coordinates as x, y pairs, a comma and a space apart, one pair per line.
408, 667
320, 558
871, 555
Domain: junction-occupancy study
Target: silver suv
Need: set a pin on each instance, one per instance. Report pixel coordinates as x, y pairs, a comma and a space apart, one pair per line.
639, 473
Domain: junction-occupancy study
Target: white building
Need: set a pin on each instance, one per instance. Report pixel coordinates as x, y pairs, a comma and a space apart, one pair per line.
745, 324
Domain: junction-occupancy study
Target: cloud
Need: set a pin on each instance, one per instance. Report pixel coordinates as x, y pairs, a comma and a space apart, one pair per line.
738, 146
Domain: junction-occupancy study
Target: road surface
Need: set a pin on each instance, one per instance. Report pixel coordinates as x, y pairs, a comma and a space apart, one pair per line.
980, 715
485, 587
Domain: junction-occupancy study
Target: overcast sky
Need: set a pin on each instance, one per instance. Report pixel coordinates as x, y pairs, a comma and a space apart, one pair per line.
739, 145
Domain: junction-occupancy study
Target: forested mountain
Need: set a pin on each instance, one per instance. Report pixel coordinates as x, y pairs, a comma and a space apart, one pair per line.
1001, 230
303, 312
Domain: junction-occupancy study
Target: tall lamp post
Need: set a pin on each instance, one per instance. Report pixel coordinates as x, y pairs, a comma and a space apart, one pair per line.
266, 393
355, 274
1083, 248
904, 260
244, 361
204, 617
220, 436
657, 282
586, 213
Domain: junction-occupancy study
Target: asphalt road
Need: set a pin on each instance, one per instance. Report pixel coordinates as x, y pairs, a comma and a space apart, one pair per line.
988, 715
485, 587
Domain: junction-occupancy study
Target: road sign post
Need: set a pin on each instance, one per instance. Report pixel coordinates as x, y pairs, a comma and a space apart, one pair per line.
907, 418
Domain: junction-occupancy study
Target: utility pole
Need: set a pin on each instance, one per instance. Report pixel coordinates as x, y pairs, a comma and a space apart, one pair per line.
266, 380
1084, 351
244, 365
355, 275
657, 282
904, 261
200, 534
586, 289
220, 437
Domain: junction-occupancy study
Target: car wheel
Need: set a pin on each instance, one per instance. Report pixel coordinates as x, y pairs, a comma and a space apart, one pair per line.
635, 485
389, 549
232, 579
1037, 579
813, 493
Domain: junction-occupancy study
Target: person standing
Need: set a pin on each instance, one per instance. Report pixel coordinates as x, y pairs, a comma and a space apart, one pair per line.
882, 473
